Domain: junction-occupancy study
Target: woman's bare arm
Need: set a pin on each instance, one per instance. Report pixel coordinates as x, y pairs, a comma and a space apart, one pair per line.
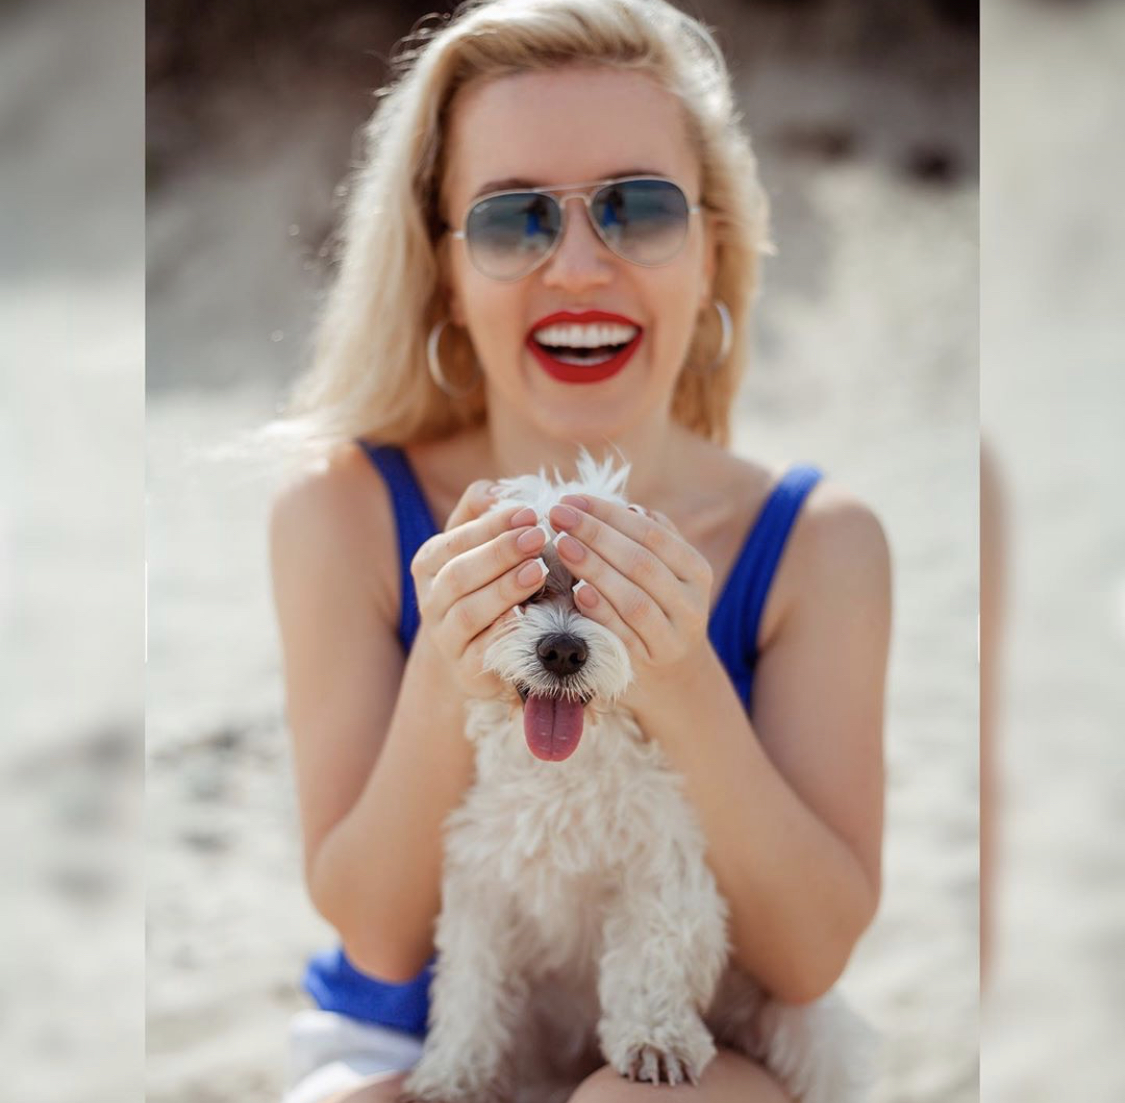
371, 835
792, 804
379, 750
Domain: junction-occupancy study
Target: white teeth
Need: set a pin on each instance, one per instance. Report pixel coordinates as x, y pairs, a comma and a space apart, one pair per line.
585, 336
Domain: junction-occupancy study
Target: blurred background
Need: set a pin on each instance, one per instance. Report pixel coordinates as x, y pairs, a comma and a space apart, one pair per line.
864, 116
1053, 416
71, 550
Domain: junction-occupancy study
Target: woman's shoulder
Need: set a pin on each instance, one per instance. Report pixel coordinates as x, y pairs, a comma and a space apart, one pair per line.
335, 514
837, 525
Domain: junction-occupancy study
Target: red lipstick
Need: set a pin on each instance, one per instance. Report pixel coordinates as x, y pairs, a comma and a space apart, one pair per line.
579, 373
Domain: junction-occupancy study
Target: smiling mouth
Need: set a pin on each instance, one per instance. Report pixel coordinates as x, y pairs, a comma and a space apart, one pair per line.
572, 364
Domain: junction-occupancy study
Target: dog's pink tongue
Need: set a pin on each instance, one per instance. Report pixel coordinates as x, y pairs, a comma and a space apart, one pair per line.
552, 726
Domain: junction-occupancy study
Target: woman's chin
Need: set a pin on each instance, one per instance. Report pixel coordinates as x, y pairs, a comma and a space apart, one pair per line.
592, 423
594, 412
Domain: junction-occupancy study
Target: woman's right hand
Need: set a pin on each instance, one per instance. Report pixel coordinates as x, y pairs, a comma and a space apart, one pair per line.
466, 582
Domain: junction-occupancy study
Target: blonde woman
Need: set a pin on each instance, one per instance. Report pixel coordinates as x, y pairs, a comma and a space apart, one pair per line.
554, 240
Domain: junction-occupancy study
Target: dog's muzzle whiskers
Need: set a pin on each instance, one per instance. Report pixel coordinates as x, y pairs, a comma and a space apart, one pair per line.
570, 693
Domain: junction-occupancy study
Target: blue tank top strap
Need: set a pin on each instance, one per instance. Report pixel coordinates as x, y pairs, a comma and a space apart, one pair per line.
774, 525
737, 616
414, 521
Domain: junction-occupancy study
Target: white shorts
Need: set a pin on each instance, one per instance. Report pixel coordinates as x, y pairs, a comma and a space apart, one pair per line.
330, 1053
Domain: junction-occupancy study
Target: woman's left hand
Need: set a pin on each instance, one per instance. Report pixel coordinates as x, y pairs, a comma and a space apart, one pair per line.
643, 581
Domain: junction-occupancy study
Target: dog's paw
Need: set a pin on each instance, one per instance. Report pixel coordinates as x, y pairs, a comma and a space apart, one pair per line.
664, 1055
650, 1065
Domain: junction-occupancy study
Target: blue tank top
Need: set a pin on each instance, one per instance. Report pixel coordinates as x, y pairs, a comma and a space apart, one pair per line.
330, 978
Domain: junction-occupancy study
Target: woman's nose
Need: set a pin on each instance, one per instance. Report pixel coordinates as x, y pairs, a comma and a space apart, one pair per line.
581, 256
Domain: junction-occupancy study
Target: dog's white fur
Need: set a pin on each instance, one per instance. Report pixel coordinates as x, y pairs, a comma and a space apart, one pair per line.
580, 922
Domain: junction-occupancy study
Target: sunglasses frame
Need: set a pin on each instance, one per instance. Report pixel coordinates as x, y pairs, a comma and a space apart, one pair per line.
585, 191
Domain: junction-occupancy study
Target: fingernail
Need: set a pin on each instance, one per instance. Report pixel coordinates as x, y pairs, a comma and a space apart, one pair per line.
563, 516
532, 572
576, 500
526, 516
578, 586
531, 540
570, 548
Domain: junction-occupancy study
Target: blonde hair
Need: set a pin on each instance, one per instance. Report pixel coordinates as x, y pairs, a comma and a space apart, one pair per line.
369, 373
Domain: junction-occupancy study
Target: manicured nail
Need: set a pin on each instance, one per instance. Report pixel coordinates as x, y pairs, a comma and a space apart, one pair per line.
532, 540
591, 597
526, 516
570, 548
576, 500
533, 572
562, 516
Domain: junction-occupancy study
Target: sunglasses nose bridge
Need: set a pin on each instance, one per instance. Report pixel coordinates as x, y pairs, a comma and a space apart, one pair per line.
567, 219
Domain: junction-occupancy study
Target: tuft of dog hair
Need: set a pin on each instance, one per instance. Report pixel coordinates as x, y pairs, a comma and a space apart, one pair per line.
580, 922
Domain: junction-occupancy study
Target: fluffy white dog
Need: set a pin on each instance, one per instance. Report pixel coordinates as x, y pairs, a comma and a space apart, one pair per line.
580, 922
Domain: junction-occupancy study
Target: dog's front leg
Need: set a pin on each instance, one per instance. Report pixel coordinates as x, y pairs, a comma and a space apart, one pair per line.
476, 1001
664, 952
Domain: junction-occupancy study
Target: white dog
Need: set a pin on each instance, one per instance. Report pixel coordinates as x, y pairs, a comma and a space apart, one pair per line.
580, 923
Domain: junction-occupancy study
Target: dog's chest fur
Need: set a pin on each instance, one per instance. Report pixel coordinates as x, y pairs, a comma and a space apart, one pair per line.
558, 842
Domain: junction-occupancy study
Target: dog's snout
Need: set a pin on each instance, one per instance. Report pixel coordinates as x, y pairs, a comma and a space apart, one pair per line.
562, 654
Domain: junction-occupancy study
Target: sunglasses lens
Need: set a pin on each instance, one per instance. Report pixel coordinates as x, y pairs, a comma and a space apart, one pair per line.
644, 221
509, 234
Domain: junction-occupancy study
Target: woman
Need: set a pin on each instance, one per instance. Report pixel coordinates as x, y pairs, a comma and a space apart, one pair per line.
534, 162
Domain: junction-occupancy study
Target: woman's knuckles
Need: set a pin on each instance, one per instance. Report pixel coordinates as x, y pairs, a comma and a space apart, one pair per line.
465, 618
637, 608
644, 566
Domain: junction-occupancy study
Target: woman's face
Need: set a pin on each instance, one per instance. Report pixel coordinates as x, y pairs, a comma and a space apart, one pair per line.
567, 127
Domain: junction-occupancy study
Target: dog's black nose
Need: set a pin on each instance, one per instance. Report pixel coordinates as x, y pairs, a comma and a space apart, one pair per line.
562, 654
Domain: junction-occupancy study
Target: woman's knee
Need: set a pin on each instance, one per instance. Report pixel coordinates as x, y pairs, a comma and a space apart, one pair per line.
729, 1078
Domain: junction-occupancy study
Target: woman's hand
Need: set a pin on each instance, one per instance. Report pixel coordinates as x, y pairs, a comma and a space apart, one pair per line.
468, 579
643, 581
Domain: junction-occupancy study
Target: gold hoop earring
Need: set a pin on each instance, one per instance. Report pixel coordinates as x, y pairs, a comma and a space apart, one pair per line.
728, 334
435, 364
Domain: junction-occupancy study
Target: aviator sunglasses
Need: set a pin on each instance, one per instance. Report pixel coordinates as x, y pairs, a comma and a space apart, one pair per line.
643, 219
